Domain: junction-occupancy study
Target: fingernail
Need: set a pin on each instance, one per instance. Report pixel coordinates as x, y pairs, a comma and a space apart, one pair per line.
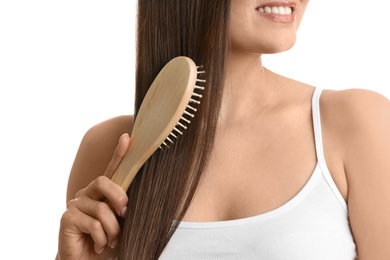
99, 251
123, 212
114, 244
122, 136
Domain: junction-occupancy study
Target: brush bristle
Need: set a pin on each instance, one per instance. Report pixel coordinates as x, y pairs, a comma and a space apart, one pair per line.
188, 112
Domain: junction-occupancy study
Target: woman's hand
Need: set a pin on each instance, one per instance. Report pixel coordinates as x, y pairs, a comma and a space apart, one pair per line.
89, 227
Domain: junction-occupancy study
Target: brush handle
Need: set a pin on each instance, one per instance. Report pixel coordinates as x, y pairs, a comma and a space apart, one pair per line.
129, 166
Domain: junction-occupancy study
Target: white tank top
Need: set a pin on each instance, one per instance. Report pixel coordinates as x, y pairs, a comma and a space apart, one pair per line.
313, 225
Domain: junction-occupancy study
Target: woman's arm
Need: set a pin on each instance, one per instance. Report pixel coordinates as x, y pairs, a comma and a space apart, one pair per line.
367, 167
95, 152
89, 227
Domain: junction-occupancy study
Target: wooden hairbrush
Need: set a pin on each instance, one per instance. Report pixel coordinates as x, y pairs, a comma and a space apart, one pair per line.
163, 115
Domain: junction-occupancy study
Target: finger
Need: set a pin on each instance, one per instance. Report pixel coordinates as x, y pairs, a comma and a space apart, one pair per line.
103, 213
123, 145
76, 223
103, 189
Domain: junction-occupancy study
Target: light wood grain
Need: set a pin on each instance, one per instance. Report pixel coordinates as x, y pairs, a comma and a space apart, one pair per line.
161, 109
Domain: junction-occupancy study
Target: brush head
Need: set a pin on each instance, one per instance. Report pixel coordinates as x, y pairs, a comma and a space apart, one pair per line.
165, 110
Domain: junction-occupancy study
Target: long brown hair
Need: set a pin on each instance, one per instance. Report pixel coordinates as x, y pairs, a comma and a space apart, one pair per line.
164, 187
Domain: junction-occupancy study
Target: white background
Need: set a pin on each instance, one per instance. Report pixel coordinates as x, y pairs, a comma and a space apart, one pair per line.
67, 65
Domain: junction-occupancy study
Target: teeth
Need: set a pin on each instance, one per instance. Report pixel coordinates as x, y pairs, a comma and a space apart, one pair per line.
282, 10
192, 108
170, 140
196, 95
177, 130
275, 10
188, 113
180, 124
185, 120
173, 135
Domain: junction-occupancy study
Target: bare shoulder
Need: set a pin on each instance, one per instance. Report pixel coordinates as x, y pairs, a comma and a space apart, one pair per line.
95, 151
103, 132
353, 112
362, 104
361, 119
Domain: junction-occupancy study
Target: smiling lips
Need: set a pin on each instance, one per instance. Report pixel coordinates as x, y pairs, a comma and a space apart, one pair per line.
282, 14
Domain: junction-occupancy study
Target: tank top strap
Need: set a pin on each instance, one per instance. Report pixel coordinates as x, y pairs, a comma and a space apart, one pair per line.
319, 147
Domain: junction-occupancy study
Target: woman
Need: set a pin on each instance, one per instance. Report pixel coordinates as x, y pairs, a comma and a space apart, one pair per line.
270, 168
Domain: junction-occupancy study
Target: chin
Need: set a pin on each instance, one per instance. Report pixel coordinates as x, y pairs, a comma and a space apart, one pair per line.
280, 43
267, 45
278, 49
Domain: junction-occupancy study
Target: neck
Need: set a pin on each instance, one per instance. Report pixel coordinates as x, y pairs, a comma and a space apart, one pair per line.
248, 87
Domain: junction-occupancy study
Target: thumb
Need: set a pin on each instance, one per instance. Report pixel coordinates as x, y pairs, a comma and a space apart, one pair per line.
119, 153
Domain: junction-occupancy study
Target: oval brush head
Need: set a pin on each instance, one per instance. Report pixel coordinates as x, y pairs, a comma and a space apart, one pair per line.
163, 114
